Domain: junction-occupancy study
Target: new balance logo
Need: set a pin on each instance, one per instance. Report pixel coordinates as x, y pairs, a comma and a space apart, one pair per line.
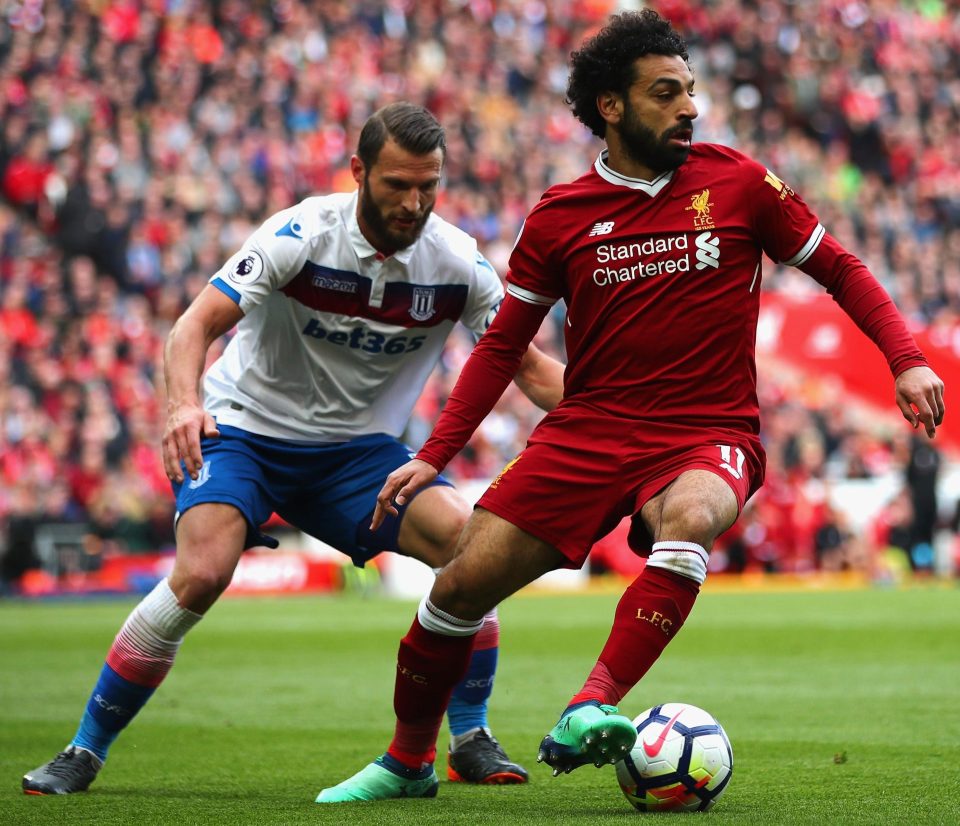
601, 228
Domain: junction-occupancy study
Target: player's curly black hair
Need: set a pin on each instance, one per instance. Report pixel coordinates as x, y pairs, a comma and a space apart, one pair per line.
604, 63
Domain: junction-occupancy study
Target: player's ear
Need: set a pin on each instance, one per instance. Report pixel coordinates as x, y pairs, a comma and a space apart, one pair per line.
610, 106
357, 169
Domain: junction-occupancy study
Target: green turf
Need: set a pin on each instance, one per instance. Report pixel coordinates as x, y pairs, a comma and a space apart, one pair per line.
272, 700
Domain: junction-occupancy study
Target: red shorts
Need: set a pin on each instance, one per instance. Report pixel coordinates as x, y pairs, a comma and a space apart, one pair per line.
583, 471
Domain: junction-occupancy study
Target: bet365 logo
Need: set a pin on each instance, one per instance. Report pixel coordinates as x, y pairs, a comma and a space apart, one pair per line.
360, 338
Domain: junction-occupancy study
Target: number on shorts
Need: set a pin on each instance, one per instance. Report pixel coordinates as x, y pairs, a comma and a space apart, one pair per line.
726, 452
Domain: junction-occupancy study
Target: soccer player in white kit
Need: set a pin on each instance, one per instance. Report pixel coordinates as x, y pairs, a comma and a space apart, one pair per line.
342, 305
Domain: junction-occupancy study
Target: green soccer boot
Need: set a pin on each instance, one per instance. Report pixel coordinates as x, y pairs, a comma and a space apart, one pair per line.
587, 733
384, 779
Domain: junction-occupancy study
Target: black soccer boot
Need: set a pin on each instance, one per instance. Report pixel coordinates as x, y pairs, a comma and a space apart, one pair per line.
70, 771
482, 760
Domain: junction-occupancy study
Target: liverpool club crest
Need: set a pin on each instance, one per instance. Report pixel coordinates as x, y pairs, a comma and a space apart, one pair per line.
701, 205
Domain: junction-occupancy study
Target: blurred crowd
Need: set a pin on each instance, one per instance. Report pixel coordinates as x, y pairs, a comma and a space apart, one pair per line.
141, 141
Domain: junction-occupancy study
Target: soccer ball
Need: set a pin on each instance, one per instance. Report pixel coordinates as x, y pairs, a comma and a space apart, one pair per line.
682, 760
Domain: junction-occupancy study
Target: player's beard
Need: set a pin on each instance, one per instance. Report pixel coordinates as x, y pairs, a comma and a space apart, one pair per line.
644, 146
386, 239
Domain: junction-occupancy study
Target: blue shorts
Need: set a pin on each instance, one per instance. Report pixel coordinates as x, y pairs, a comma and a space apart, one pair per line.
328, 491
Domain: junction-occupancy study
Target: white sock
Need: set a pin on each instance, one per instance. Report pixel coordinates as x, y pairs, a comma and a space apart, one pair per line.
457, 740
685, 558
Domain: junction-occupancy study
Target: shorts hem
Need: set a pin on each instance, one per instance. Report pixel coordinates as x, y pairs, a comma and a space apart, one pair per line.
575, 557
219, 499
645, 548
661, 482
254, 537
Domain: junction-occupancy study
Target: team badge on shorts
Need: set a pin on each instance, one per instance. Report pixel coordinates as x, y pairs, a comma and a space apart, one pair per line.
506, 469
202, 477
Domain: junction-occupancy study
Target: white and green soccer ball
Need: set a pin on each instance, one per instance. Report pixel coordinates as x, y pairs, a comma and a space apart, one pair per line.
682, 760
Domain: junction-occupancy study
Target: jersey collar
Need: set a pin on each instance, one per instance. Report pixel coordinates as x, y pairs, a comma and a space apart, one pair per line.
652, 188
361, 246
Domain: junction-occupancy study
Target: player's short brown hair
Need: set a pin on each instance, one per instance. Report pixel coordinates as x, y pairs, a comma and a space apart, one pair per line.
412, 127
604, 63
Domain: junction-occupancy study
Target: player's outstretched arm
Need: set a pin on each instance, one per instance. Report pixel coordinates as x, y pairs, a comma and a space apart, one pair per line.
919, 391
400, 487
920, 398
209, 316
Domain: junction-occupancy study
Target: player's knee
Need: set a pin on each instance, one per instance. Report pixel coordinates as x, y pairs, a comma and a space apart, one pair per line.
454, 594
199, 586
449, 535
432, 535
446, 593
693, 521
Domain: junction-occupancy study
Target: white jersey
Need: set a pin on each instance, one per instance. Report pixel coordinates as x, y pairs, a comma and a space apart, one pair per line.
336, 340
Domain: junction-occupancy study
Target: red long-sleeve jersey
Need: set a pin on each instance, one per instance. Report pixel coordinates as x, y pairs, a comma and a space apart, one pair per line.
662, 285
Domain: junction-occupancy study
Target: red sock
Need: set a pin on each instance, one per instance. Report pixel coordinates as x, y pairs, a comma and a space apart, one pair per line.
429, 665
650, 612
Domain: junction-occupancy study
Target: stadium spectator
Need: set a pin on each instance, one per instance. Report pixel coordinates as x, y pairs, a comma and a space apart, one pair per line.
891, 530
26, 175
18, 554
835, 545
922, 472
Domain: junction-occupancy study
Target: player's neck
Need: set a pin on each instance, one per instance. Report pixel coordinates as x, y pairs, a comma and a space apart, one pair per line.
624, 164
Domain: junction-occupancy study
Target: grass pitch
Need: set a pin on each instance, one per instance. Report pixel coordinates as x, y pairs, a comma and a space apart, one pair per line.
842, 707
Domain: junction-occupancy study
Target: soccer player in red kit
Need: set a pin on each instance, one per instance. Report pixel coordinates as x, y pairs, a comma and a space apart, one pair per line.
657, 253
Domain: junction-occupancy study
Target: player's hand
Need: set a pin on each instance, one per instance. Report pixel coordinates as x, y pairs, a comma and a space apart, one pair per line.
181, 440
400, 486
920, 398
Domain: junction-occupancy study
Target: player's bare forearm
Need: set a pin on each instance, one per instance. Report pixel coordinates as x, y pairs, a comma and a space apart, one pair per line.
920, 398
184, 358
184, 355
185, 352
540, 377
400, 487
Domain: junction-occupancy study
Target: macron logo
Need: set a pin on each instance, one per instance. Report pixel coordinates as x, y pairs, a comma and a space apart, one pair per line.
601, 228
